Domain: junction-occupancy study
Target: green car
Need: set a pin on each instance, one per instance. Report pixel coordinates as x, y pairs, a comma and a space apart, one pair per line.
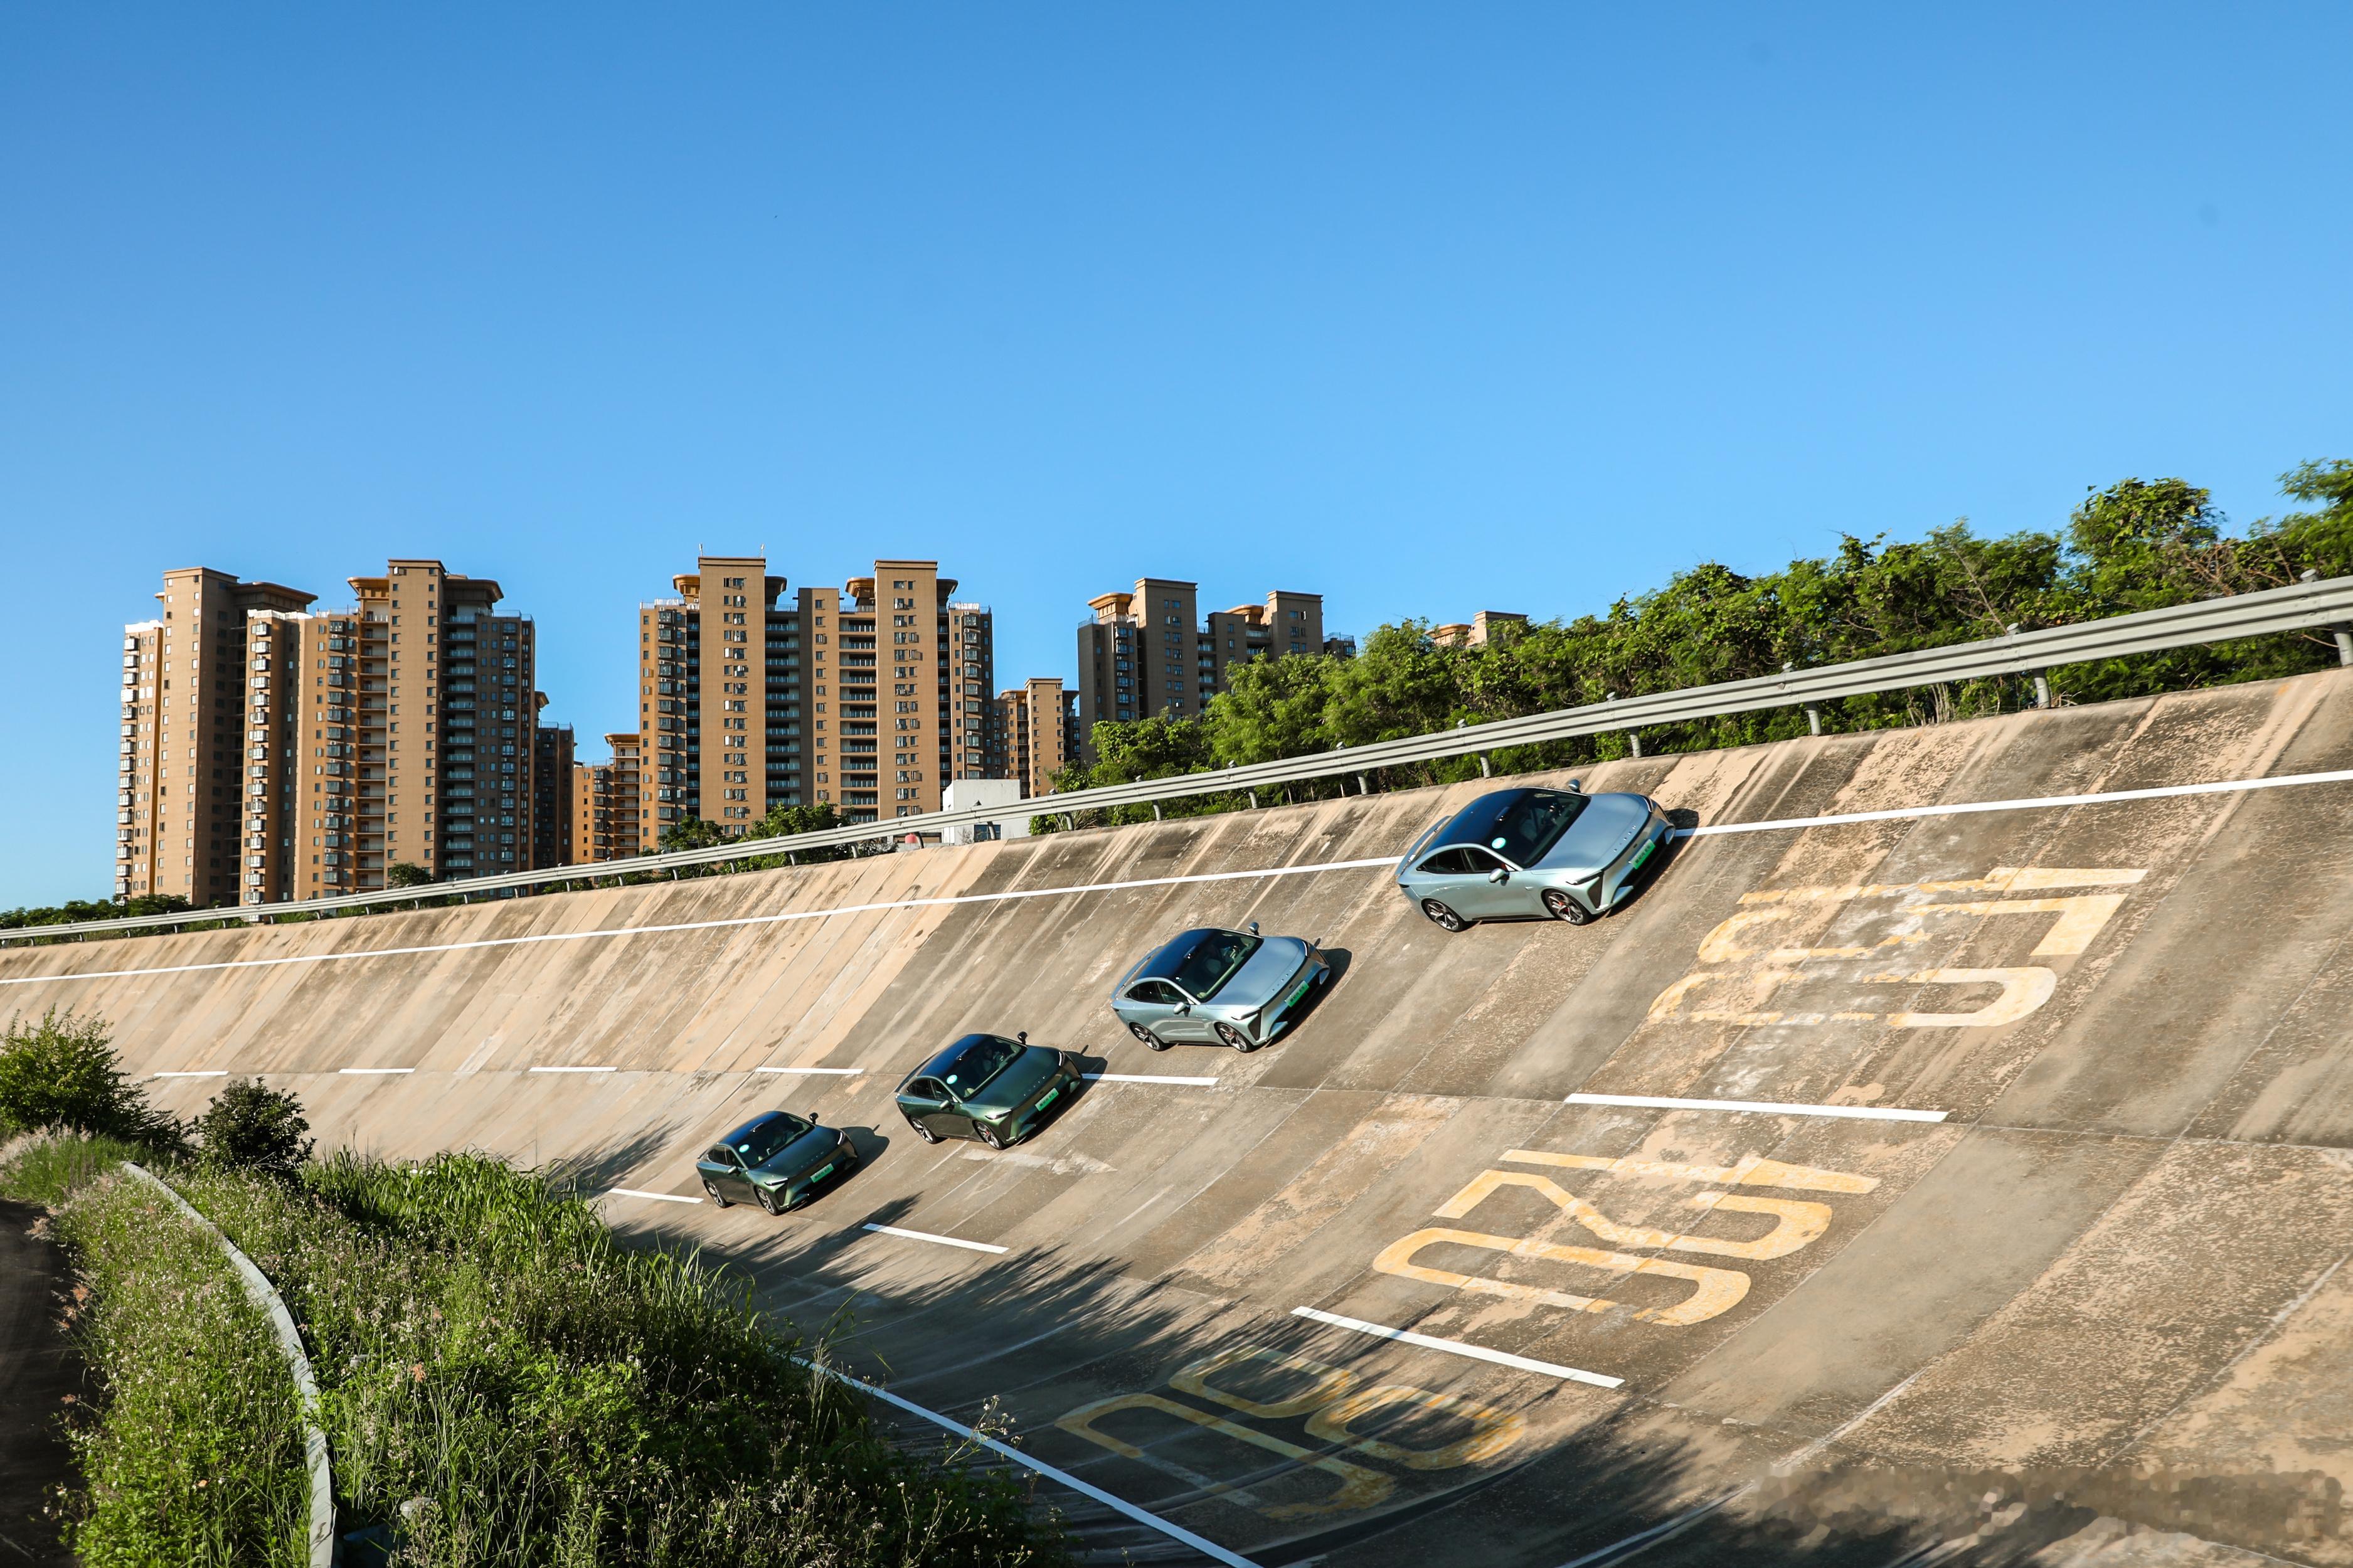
777, 1161
990, 1088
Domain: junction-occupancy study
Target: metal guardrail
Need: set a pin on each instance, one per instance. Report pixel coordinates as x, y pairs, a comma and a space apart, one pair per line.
320, 1532
2300, 606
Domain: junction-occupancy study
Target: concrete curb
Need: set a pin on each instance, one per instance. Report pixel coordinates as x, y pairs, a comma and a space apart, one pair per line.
306, 1387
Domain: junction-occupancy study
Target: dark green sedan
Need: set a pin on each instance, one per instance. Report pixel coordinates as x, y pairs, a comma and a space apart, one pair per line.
990, 1088
777, 1161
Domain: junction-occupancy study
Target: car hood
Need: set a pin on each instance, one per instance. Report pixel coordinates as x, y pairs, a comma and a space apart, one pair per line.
1263, 974
1601, 833
1016, 1083
803, 1154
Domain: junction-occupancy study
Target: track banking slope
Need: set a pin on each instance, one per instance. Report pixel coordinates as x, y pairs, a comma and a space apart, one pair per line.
2044, 1257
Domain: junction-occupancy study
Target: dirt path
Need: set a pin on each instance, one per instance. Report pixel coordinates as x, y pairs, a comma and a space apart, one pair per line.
37, 1369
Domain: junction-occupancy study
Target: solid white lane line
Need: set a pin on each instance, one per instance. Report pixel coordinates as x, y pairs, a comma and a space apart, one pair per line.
942, 1241
1383, 862
363, 1072
2024, 803
658, 1197
1765, 1107
1148, 1077
831, 1072
786, 917
197, 1072
574, 1070
1144, 1517
1456, 1347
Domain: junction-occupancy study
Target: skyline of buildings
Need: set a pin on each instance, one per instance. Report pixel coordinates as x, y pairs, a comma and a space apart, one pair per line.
262, 758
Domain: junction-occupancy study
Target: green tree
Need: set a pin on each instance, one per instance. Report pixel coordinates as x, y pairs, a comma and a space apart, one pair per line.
62, 1073
787, 821
405, 874
691, 833
252, 1127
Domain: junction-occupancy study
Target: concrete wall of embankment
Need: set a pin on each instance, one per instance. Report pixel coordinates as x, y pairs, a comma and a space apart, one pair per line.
2112, 1264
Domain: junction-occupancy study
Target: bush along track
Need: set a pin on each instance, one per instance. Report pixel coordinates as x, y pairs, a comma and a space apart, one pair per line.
502, 1383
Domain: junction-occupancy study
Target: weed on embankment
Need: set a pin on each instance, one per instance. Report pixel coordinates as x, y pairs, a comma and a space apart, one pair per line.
505, 1383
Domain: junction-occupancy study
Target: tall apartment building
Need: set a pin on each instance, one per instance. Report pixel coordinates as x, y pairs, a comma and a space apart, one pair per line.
181, 791
340, 793
748, 700
603, 805
1147, 652
1478, 631
1029, 741
550, 794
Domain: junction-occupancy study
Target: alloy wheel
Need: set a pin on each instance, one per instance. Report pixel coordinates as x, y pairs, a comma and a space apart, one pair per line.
722, 1199
1562, 907
1236, 1039
923, 1133
1152, 1042
988, 1135
1442, 917
769, 1201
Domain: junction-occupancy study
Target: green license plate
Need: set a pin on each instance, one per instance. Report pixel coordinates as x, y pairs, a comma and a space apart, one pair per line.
1298, 991
822, 1173
1052, 1096
1636, 863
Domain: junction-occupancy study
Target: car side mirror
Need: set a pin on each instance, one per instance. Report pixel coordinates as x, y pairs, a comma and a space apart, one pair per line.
1183, 1008
1498, 875
1253, 928
1576, 786
1022, 1037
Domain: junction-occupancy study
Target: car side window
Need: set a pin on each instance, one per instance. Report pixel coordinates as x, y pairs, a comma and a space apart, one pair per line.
1159, 992
926, 1088
719, 1156
1479, 862
1448, 863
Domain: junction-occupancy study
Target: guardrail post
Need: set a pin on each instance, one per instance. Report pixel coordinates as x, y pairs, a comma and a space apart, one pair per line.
2344, 634
1482, 766
2041, 691
1254, 794
1155, 811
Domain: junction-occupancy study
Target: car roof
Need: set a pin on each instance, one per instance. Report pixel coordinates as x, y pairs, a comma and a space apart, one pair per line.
1166, 960
1475, 823
755, 1124
937, 1064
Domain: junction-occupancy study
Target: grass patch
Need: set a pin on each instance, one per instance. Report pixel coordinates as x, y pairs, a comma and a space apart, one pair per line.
46, 1170
196, 1456
505, 1383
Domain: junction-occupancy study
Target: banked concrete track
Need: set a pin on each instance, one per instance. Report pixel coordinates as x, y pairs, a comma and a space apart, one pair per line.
2098, 1313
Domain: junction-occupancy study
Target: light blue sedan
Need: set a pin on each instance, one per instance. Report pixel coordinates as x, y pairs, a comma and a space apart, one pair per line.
1534, 854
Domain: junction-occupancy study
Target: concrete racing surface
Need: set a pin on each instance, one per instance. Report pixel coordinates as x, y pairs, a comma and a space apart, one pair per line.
2043, 1264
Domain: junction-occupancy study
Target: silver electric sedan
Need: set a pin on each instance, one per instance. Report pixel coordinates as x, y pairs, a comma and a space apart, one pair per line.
1533, 854
1219, 987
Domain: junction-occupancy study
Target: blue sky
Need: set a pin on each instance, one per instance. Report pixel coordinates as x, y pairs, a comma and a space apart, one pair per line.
1430, 308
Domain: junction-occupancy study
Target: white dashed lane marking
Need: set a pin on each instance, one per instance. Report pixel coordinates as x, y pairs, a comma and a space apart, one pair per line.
1457, 1347
940, 1240
1148, 1077
658, 1197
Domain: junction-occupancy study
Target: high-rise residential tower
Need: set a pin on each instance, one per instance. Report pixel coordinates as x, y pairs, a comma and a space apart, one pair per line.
749, 701
550, 794
181, 785
1030, 735
603, 805
345, 792
1147, 653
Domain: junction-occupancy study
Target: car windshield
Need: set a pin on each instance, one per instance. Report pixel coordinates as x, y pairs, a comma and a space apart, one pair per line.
1520, 825
758, 1143
1205, 971
978, 1062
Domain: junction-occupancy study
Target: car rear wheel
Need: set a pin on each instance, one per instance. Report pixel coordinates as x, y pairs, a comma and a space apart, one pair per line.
1236, 1039
1442, 917
1152, 1042
722, 1199
769, 1199
988, 1135
1562, 907
923, 1133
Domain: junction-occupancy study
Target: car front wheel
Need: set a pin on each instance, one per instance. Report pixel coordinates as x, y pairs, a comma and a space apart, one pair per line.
1562, 907
1152, 1042
1236, 1039
1442, 917
722, 1199
988, 1135
923, 1133
769, 1199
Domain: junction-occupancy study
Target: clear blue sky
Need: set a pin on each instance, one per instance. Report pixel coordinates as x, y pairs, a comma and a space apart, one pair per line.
1430, 308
